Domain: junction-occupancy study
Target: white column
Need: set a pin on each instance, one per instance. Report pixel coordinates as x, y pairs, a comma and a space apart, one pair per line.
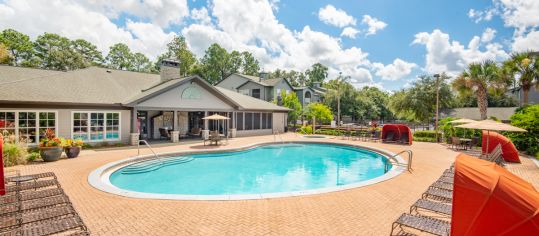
175, 121
135, 133
205, 131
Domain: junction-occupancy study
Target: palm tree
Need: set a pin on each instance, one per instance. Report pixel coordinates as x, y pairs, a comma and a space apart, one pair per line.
526, 67
336, 89
479, 77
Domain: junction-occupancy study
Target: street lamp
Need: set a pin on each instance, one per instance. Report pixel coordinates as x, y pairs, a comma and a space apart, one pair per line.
437, 76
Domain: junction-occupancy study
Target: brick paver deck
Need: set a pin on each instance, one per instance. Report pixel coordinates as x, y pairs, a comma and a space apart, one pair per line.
368, 210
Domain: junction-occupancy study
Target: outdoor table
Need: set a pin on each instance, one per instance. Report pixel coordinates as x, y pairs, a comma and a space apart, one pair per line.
465, 141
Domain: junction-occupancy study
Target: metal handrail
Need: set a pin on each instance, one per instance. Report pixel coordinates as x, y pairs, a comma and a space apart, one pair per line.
147, 145
408, 165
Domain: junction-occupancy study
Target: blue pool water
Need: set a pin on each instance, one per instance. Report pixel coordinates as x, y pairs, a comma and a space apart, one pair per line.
265, 169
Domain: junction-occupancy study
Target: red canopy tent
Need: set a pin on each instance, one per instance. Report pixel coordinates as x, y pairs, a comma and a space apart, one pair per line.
396, 132
2, 182
489, 200
509, 151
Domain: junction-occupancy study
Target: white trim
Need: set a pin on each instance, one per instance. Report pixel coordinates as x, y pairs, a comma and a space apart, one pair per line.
37, 111
104, 124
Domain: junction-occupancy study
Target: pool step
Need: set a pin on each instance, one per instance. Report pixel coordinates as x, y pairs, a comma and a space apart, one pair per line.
155, 164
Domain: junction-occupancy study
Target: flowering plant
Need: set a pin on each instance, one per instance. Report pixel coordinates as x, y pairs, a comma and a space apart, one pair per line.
50, 140
73, 143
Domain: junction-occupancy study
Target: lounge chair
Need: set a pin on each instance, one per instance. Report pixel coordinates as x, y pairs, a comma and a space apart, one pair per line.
423, 224
432, 206
438, 194
389, 138
442, 185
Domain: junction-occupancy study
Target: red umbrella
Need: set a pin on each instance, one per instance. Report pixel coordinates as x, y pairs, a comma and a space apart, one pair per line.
2, 183
489, 200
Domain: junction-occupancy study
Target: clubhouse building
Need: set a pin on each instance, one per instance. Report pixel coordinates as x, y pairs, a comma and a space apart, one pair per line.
101, 105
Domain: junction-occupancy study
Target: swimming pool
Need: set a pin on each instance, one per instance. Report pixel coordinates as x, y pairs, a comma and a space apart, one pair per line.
270, 170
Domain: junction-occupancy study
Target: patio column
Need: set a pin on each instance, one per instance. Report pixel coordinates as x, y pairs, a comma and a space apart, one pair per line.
175, 121
233, 120
135, 133
206, 131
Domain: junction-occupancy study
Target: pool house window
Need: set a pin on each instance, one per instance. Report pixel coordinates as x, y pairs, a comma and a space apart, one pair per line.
27, 126
254, 120
96, 126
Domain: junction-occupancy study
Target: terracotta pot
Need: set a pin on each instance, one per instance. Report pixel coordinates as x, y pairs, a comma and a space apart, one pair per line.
72, 152
50, 153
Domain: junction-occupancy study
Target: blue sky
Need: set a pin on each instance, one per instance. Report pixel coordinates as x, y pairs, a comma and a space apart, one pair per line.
388, 42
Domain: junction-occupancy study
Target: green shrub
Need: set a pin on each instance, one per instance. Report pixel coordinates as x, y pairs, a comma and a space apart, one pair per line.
14, 154
425, 136
306, 129
528, 119
32, 156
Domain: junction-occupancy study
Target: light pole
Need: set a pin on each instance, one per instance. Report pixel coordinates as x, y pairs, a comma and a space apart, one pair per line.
437, 76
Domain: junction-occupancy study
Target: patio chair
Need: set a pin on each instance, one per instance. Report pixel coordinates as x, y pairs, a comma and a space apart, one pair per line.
473, 143
438, 194
164, 133
455, 142
375, 136
431, 206
215, 137
195, 131
423, 224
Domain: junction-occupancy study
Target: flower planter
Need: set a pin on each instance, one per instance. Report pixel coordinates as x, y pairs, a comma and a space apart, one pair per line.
72, 152
50, 153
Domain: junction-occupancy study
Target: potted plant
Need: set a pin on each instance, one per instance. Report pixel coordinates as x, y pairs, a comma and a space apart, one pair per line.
72, 147
50, 147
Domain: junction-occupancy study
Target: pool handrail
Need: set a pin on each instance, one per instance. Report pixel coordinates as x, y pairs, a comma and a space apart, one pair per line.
408, 165
147, 145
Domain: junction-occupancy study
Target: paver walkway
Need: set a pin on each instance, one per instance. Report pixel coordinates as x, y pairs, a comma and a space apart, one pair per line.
368, 210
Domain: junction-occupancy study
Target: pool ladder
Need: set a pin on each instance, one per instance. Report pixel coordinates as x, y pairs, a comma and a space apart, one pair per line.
393, 161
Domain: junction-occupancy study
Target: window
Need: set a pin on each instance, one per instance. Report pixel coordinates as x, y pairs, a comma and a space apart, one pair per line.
256, 93
264, 120
307, 97
256, 120
28, 127
7, 123
47, 120
248, 121
270, 120
96, 126
244, 91
239, 121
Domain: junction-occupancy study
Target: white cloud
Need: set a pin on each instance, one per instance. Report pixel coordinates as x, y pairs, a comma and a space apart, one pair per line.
373, 23
488, 35
527, 42
521, 14
76, 21
201, 16
485, 15
336, 17
445, 55
394, 71
350, 32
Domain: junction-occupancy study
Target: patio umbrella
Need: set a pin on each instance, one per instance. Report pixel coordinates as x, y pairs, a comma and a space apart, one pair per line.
490, 200
217, 117
462, 121
2, 183
490, 125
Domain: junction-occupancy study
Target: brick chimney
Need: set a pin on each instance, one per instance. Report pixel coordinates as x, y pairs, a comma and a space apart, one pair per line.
170, 69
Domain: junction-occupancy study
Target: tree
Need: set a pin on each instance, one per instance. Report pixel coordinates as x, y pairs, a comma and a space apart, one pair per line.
215, 64
336, 89
55, 52
418, 103
235, 62
291, 101
18, 45
318, 112
120, 57
4, 54
479, 77
317, 73
250, 65
526, 67
177, 49
141, 63
371, 104
89, 52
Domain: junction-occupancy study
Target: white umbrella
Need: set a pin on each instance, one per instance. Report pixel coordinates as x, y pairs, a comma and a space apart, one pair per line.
462, 121
489, 125
218, 118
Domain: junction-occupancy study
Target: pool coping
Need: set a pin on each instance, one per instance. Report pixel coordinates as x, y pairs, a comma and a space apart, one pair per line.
100, 177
